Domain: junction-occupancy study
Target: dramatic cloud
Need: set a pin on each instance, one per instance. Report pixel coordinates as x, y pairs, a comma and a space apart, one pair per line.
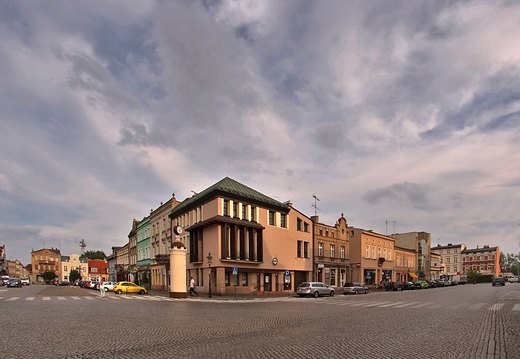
404, 112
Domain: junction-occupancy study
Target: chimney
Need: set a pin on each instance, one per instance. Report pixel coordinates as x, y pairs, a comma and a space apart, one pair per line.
315, 219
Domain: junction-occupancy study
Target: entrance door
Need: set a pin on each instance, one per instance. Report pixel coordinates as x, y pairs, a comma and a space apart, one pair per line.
267, 282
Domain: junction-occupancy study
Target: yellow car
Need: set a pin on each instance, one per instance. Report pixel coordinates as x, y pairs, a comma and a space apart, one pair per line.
129, 287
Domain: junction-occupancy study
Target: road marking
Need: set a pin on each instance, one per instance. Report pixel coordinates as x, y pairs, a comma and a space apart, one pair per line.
422, 305
389, 305
46, 298
29, 298
76, 298
476, 306
61, 298
11, 299
375, 304
363, 302
496, 306
516, 307
88, 297
406, 304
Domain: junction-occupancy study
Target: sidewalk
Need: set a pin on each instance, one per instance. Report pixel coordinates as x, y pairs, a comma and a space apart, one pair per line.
225, 297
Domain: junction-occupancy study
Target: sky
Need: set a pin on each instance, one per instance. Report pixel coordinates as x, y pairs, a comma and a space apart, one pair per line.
402, 115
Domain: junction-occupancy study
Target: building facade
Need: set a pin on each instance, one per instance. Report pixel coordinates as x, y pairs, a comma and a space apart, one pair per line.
373, 255
485, 260
98, 270
451, 259
331, 252
421, 243
73, 262
3, 264
160, 241
242, 241
405, 265
122, 262
132, 250
435, 265
45, 260
143, 252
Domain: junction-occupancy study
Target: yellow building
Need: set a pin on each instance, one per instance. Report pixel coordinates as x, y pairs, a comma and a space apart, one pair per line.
73, 262
373, 256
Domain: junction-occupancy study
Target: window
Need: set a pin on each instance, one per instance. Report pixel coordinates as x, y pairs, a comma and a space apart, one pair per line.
448, 260
253, 214
320, 249
283, 220
305, 227
305, 249
373, 252
321, 232
342, 252
367, 252
271, 218
244, 279
332, 251
299, 224
454, 259
235, 209
299, 249
226, 278
65, 268
226, 208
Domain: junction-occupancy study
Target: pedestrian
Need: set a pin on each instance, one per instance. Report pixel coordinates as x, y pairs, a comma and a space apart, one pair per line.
192, 287
101, 289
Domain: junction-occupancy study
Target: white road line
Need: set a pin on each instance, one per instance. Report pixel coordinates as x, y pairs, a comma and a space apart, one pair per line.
476, 306
75, 298
12, 299
375, 304
46, 298
363, 302
29, 298
406, 304
516, 307
422, 305
389, 305
61, 298
88, 297
496, 306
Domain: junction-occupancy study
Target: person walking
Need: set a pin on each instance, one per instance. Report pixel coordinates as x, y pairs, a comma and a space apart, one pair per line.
101, 288
192, 287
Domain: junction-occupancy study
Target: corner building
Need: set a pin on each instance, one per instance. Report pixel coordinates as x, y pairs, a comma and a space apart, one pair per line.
257, 244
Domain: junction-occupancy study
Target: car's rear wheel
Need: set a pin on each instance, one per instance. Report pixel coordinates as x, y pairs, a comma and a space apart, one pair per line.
316, 294
119, 291
366, 291
332, 293
355, 291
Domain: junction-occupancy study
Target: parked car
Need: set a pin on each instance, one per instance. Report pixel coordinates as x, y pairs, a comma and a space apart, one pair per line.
431, 283
498, 281
394, 286
423, 284
25, 281
129, 287
109, 286
513, 279
354, 288
14, 283
5, 279
63, 283
408, 286
315, 289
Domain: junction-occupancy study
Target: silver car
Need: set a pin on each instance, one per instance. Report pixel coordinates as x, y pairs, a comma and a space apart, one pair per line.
315, 289
354, 288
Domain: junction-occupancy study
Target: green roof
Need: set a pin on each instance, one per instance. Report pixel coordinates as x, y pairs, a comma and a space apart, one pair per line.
229, 188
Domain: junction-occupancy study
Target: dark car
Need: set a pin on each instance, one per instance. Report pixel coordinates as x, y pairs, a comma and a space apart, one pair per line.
498, 281
394, 286
408, 286
14, 283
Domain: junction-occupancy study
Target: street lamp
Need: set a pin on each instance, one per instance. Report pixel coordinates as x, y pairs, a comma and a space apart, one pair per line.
209, 257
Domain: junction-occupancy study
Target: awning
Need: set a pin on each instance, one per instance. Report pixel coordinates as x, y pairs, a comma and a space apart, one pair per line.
413, 275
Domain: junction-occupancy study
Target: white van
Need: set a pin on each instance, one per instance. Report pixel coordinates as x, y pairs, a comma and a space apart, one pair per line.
513, 279
5, 279
25, 281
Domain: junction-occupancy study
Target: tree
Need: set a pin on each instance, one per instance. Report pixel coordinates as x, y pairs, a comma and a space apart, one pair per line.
49, 276
94, 255
29, 267
73, 276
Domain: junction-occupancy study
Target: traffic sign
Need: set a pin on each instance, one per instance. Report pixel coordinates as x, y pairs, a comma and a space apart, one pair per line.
235, 271
287, 273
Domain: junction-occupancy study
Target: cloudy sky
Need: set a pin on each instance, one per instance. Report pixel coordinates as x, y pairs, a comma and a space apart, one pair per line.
403, 115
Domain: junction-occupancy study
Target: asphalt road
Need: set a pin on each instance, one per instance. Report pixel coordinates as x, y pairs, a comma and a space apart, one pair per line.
471, 321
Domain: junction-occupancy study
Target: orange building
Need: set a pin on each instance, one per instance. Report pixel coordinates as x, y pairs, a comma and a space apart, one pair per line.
45, 260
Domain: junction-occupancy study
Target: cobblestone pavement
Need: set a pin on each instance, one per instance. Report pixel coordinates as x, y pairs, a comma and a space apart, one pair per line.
472, 321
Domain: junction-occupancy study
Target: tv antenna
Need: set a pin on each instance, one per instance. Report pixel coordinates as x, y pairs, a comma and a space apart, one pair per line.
316, 209
82, 246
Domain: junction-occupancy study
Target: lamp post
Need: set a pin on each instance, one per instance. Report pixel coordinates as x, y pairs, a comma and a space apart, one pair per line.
209, 257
